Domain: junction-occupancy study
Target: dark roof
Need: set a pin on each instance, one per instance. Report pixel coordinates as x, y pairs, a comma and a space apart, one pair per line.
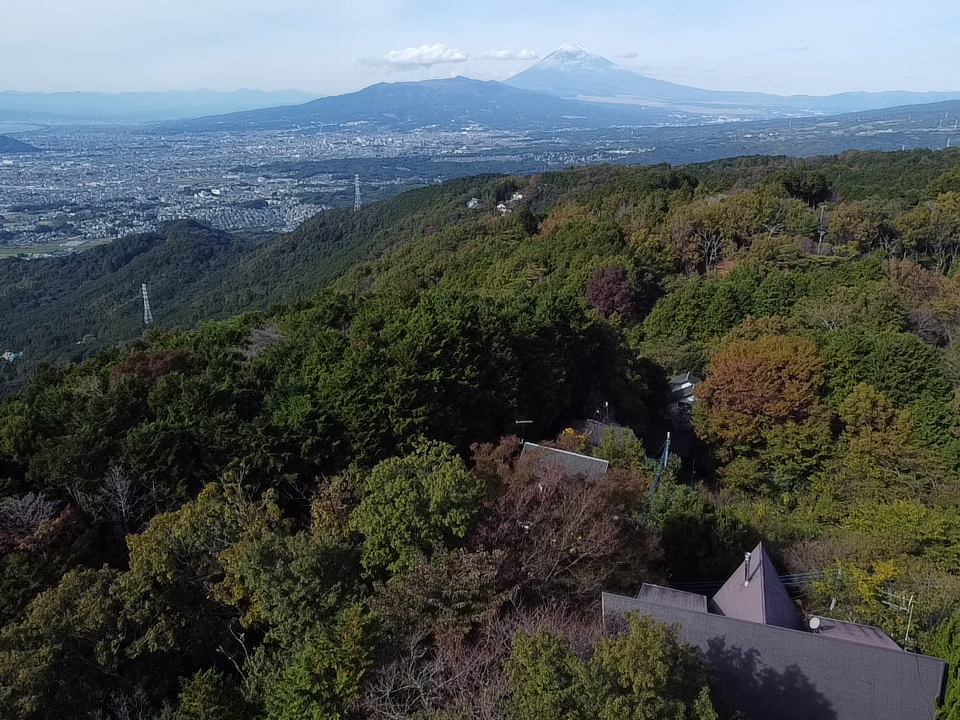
852, 632
754, 592
682, 387
673, 598
595, 431
687, 377
544, 459
771, 672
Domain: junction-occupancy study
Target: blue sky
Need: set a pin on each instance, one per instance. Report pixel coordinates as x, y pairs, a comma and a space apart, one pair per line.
816, 47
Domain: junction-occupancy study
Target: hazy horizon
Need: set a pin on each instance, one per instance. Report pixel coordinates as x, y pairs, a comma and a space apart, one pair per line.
327, 49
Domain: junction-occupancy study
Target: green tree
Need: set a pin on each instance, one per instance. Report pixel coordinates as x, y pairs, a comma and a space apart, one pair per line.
795, 450
642, 673
175, 567
877, 456
210, 695
698, 541
546, 678
287, 586
946, 645
323, 675
873, 306
901, 366
65, 656
411, 503
645, 673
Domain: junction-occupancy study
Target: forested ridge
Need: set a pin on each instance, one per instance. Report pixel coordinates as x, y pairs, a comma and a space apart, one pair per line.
70, 308
317, 508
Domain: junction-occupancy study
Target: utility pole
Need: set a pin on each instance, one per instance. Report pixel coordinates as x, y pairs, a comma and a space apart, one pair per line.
661, 466
523, 425
822, 232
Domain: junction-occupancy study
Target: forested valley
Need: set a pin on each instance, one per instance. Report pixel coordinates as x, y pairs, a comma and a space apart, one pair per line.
301, 496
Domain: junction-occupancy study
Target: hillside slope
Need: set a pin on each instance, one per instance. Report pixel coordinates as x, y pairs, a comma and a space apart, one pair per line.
69, 308
12, 146
292, 512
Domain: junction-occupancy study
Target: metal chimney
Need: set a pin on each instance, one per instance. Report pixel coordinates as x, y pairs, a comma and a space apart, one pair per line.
746, 569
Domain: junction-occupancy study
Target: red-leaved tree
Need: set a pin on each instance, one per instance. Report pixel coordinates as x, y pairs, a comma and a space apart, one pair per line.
609, 290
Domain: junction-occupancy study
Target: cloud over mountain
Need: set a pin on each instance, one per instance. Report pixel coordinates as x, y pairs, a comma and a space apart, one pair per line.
509, 55
424, 56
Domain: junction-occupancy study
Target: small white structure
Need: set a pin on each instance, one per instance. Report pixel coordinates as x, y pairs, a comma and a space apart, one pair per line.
682, 398
473, 203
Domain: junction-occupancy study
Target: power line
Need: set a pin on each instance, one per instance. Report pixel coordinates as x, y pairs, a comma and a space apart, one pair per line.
794, 580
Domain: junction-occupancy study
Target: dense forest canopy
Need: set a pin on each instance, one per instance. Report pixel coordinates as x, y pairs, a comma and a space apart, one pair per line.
313, 504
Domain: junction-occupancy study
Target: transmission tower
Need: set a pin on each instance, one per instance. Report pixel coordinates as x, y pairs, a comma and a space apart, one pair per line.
147, 315
357, 201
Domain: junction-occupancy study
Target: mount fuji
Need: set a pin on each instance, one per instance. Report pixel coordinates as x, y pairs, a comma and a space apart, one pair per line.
572, 72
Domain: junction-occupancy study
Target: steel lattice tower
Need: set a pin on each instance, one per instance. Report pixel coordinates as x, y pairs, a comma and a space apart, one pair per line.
357, 201
147, 315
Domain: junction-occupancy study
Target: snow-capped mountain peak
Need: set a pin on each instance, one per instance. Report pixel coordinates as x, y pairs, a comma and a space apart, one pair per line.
571, 58
571, 49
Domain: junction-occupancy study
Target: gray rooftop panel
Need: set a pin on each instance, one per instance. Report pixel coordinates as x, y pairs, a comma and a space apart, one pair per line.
673, 598
595, 431
543, 459
852, 632
683, 379
682, 386
770, 672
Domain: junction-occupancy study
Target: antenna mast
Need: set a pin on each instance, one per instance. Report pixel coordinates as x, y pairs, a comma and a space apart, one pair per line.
147, 315
357, 201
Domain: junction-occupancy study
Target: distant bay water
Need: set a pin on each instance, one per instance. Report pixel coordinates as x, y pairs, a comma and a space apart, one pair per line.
11, 128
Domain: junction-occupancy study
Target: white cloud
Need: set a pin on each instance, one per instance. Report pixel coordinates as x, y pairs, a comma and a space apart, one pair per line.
509, 55
415, 58
627, 55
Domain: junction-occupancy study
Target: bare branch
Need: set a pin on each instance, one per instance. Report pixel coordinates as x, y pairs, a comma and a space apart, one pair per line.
22, 516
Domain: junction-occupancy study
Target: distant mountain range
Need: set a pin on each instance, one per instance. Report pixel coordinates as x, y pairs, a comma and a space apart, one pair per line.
144, 106
569, 89
572, 72
455, 101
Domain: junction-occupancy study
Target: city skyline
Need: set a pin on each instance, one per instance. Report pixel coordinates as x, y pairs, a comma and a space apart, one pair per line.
327, 49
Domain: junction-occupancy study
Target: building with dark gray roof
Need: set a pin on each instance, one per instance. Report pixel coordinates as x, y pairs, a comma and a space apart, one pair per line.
672, 598
682, 399
769, 668
594, 431
851, 632
542, 460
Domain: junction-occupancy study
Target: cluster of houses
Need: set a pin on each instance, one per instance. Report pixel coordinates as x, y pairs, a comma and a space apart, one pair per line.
504, 208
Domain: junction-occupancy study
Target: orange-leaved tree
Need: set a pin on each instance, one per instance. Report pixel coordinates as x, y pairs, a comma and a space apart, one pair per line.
755, 385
